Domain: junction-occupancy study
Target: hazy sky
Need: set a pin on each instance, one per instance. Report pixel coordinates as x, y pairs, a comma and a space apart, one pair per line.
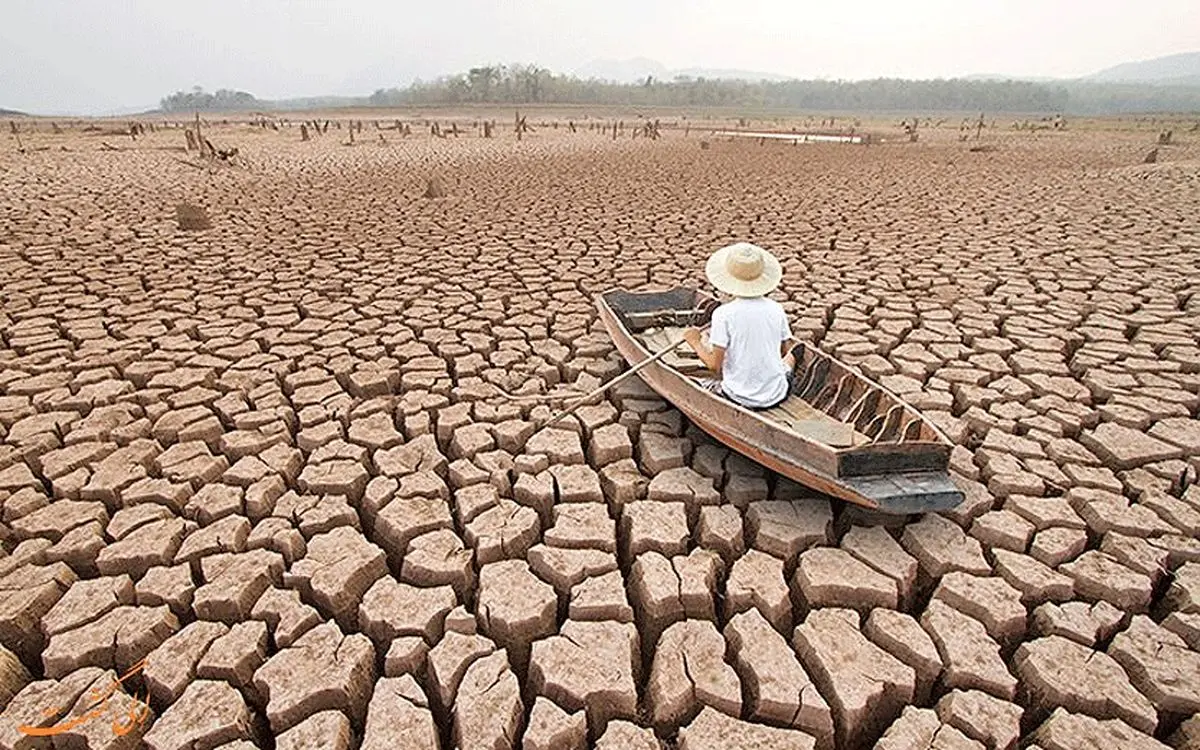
96, 56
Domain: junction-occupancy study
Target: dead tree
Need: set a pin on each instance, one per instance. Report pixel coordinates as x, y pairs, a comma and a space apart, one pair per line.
521, 126
1151, 157
571, 125
303, 133
1164, 138
487, 129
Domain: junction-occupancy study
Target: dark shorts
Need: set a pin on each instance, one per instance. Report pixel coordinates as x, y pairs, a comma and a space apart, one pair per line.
714, 386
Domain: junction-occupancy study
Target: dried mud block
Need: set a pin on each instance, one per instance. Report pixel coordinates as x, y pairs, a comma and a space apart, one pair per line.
832, 577
720, 530
405, 518
786, 528
229, 534
172, 666
1121, 447
192, 218
336, 571
865, 685
600, 597
322, 670
235, 656
399, 718
1071, 731
209, 713
590, 666
971, 658
1056, 672
1184, 592
713, 730
560, 446
995, 723
448, 661
551, 728
658, 526
95, 725
921, 729
689, 671
439, 558
1003, 529
1055, 546
86, 601
1098, 577
13, 676
625, 735
171, 586
991, 600
940, 547
28, 707
515, 607
505, 531
622, 483
756, 581
391, 609
488, 710
26, 594
1083, 623
777, 688
285, 615
877, 548
233, 582
666, 591
115, 641
565, 568
902, 637
580, 525
1161, 666
324, 729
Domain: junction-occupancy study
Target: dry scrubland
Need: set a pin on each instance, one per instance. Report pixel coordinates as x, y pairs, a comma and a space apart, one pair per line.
269, 457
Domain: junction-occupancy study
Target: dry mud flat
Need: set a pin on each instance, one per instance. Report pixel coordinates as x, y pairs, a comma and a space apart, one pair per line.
268, 457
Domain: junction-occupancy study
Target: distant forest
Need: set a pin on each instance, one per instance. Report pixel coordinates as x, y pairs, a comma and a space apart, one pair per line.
531, 84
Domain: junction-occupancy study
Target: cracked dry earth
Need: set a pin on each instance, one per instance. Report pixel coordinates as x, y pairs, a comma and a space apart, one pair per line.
269, 457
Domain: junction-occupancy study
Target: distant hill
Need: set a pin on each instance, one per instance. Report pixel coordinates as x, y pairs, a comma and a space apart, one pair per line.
11, 113
1177, 70
636, 69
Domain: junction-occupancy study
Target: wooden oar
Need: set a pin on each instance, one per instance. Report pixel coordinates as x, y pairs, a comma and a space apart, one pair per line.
623, 376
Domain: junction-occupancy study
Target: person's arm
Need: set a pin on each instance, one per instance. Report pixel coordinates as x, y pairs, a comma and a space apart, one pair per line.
712, 357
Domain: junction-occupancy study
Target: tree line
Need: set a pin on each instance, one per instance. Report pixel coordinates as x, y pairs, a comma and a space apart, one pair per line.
532, 84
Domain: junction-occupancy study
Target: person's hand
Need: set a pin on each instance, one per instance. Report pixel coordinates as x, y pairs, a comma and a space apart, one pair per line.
692, 335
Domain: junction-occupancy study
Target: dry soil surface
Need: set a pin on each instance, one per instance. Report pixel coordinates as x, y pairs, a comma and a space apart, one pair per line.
269, 458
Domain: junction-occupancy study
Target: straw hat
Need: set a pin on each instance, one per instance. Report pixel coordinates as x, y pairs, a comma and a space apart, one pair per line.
743, 270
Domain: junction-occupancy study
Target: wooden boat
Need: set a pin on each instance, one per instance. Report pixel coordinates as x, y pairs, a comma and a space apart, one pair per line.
838, 432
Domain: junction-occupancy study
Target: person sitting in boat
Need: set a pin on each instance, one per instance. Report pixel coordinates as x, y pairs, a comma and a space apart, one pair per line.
749, 343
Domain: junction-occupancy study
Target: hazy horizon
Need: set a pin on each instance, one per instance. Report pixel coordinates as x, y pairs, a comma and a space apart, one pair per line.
105, 56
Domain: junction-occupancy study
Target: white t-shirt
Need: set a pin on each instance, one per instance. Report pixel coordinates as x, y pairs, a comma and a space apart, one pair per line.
750, 331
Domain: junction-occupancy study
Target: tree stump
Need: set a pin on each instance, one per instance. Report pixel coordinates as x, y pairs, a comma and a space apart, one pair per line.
703, 145
190, 135
303, 133
1151, 157
192, 218
435, 188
